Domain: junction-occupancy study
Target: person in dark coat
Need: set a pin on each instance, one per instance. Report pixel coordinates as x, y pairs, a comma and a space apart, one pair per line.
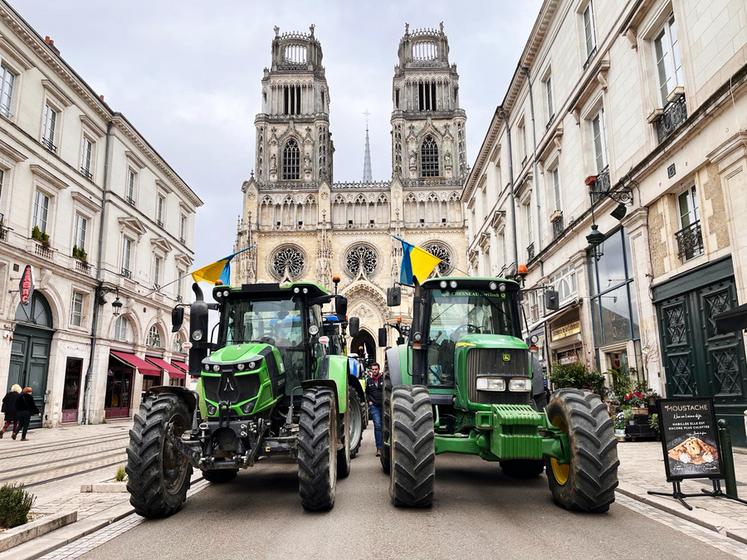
25, 409
374, 394
9, 409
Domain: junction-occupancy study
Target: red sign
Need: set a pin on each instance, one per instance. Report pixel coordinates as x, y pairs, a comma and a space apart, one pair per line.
26, 285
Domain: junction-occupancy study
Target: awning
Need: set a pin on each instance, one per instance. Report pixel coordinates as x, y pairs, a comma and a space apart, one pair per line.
181, 365
138, 363
164, 365
563, 309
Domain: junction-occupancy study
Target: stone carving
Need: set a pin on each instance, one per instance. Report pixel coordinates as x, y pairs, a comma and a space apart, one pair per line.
362, 257
287, 262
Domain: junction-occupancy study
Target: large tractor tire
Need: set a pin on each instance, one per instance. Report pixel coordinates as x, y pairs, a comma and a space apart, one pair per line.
344, 457
220, 476
523, 468
386, 426
158, 475
356, 421
413, 452
587, 483
317, 449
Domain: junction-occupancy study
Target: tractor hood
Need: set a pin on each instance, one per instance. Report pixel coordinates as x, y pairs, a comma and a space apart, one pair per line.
236, 353
491, 341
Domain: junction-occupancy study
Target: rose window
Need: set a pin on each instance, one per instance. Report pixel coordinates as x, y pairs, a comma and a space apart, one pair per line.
287, 261
361, 256
442, 252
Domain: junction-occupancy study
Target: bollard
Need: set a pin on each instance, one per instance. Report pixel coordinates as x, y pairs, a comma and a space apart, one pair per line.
727, 459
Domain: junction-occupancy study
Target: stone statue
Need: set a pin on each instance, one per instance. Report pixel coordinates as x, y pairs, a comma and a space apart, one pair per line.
413, 159
273, 164
307, 163
277, 31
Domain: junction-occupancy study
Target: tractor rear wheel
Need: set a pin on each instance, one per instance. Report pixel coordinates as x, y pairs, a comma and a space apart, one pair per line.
523, 468
158, 475
356, 422
220, 476
317, 449
587, 483
386, 426
413, 452
344, 457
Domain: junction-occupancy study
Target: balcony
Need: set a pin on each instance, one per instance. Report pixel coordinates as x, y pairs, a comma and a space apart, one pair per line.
86, 173
671, 117
602, 183
530, 251
557, 224
159, 223
49, 145
126, 273
130, 201
689, 241
43, 252
3, 228
82, 267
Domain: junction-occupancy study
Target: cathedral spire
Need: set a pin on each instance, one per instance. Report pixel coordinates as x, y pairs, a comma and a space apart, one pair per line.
367, 178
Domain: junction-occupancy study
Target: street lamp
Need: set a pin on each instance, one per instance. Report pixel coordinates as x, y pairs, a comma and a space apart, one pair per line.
116, 304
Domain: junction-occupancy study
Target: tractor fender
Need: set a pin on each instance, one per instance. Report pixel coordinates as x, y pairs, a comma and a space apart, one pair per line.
357, 385
394, 366
190, 397
333, 373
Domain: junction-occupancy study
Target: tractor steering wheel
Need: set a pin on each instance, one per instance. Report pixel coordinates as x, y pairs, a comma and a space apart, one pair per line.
268, 340
468, 327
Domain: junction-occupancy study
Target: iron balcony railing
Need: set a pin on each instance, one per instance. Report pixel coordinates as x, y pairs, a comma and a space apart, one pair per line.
3, 229
690, 241
602, 183
83, 267
672, 117
86, 173
48, 144
530, 251
557, 226
130, 201
43, 252
126, 272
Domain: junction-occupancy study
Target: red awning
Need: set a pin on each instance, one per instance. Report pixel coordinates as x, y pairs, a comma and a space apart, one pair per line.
138, 363
181, 366
164, 365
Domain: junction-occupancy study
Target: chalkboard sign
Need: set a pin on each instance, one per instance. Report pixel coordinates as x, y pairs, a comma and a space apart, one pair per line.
689, 438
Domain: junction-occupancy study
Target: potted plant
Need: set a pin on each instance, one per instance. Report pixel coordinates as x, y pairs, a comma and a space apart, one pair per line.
36, 233
620, 422
637, 401
45, 240
80, 254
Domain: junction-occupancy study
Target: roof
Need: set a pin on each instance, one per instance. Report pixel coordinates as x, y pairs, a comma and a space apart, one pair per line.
468, 281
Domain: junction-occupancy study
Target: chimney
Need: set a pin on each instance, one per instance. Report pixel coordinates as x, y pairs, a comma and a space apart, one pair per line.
50, 43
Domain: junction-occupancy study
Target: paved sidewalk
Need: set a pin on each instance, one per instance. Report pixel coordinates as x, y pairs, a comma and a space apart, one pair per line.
642, 469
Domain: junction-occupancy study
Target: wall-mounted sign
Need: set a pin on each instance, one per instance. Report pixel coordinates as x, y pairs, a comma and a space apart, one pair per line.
26, 285
689, 439
565, 330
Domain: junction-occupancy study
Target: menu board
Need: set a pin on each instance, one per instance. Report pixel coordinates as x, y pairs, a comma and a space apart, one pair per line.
689, 438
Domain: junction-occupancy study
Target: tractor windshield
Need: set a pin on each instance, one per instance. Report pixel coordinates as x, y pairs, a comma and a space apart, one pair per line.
454, 314
276, 322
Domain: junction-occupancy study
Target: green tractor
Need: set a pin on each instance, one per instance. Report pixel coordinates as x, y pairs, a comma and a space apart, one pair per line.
463, 383
268, 387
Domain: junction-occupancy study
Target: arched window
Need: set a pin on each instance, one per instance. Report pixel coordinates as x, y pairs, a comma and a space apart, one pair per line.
291, 160
122, 331
178, 342
429, 158
37, 311
154, 338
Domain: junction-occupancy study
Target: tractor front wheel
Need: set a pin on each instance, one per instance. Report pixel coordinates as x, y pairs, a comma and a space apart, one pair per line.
220, 476
317, 449
523, 468
356, 422
158, 475
413, 452
344, 456
386, 426
588, 481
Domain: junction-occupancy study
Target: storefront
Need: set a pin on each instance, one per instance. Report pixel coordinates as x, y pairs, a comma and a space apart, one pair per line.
565, 346
178, 379
166, 369
119, 381
71, 390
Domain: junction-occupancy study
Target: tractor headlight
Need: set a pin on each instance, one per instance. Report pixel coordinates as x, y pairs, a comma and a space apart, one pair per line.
252, 365
216, 368
493, 286
248, 407
490, 384
443, 284
502, 288
453, 284
197, 334
240, 367
520, 384
211, 409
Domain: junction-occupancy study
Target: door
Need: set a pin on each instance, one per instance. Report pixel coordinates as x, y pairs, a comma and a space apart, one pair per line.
700, 362
118, 390
71, 391
29, 365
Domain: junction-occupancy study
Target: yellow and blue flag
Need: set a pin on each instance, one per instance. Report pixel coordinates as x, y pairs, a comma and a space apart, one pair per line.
417, 263
219, 271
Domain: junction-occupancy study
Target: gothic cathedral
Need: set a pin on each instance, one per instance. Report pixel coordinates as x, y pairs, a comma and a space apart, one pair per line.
299, 224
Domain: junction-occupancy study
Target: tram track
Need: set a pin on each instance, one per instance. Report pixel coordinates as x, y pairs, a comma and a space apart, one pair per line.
27, 476
47, 448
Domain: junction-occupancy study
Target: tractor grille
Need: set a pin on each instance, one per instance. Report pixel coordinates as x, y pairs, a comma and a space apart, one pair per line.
231, 388
490, 361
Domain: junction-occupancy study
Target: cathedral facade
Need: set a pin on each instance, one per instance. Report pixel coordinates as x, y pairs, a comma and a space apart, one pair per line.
300, 224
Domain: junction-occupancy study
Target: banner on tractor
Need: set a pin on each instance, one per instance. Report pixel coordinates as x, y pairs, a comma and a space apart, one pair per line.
417, 263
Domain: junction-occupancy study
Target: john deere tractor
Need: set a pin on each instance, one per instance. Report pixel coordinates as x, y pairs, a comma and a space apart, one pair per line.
463, 382
267, 387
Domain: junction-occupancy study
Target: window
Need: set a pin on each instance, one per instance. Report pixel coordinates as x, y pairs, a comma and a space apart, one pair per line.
160, 205
564, 281
81, 227
396, 98
668, 60
429, 164
292, 100
76, 309
687, 203
427, 96
589, 32
548, 98
528, 220
122, 329
180, 274
86, 156
49, 125
126, 257
522, 141
2, 183
41, 211
177, 344
555, 175
183, 228
291, 161
7, 80
154, 337
157, 268
131, 184
600, 140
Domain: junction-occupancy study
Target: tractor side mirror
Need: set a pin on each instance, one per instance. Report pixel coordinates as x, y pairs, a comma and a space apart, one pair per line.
354, 326
198, 331
341, 307
177, 318
552, 300
383, 337
393, 296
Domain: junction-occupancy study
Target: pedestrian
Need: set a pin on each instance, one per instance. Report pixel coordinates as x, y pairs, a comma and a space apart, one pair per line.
9, 409
25, 409
375, 396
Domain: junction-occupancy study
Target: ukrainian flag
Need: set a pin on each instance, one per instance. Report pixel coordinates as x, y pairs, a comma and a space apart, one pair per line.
219, 271
417, 263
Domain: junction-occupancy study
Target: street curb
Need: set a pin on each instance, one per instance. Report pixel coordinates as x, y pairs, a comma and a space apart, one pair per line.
104, 488
29, 531
716, 523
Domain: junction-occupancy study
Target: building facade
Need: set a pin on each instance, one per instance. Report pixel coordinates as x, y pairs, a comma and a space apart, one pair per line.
299, 224
101, 218
642, 102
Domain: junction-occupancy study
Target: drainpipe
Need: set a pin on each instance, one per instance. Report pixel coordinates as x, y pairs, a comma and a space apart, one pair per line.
538, 194
85, 416
512, 194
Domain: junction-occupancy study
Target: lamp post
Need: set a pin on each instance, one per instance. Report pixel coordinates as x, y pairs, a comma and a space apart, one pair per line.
622, 194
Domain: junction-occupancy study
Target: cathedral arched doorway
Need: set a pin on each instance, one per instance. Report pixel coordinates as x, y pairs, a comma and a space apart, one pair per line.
29, 354
364, 345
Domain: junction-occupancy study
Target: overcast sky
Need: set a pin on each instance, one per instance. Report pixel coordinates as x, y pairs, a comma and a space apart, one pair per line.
187, 75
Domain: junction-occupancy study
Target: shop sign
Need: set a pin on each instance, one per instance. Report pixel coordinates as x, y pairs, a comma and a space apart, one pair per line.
689, 439
565, 330
569, 357
26, 285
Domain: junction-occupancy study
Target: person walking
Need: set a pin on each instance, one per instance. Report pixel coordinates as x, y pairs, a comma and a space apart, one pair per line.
9, 409
25, 409
375, 396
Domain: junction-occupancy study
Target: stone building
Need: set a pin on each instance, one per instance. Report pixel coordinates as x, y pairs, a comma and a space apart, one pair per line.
644, 103
302, 225
101, 218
